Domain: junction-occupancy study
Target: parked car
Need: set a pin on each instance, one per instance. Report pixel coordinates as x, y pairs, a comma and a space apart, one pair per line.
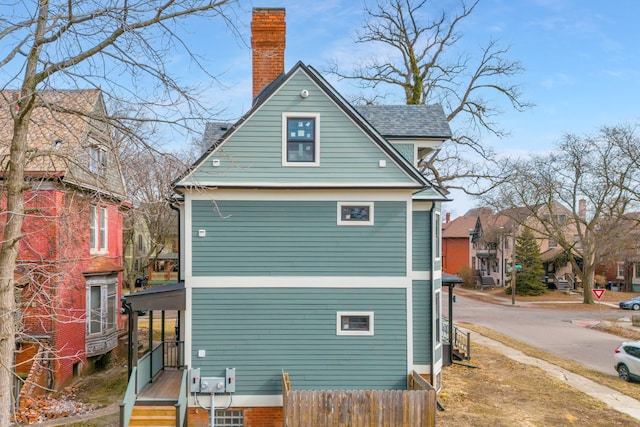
627, 358
631, 304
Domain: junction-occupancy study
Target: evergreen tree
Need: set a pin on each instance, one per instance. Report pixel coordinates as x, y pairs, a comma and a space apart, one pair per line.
529, 277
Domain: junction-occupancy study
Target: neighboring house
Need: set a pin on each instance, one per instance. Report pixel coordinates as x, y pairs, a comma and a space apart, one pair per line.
493, 239
456, 237
68, 275
311, 244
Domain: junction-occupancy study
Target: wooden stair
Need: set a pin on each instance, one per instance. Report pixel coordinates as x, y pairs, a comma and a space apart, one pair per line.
153, 416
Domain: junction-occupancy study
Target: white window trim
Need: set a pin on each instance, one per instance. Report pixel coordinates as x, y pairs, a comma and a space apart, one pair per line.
316, 155
437, 309
341, 314
104, 305
437, 232
370, 205
99, 245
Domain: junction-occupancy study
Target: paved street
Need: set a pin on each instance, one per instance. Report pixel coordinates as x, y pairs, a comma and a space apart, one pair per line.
555, 331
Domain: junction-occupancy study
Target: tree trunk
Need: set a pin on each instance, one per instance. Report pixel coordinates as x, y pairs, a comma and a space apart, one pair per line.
14, 185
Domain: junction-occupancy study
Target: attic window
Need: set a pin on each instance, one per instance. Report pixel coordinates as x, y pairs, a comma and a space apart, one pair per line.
57, 143
98, 161
300, 141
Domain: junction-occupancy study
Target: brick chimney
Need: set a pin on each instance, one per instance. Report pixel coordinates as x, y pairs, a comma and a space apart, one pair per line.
582, 208
268, 31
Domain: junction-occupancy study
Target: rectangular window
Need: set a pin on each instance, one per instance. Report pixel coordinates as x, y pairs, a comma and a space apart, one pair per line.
301, 145
637, 269
93, 226
354, 323
98, 228
437, 234
620, 271
438, 321
103, 308
95, 316
97, 161
355, 213
553, 243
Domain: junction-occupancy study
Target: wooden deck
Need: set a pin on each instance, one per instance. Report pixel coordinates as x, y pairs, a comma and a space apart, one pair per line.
165, 386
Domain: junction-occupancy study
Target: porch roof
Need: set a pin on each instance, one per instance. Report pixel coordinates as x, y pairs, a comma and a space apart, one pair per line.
163, 297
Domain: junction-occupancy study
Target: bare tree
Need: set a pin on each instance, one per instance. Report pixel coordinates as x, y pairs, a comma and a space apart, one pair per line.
149, 175
595, 179
119, 46
429, 68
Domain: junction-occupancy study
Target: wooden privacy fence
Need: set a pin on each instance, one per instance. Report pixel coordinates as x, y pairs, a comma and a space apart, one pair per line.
359, 408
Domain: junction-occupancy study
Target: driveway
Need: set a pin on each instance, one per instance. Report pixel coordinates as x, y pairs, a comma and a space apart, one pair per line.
560, 332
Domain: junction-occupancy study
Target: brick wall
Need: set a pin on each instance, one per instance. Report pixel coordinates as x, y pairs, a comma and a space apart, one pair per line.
53, 254
253, 417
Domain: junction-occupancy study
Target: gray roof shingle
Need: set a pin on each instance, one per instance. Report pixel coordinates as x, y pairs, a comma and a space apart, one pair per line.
407, 121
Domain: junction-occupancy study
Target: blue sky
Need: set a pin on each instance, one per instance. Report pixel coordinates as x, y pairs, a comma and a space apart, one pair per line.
581, 57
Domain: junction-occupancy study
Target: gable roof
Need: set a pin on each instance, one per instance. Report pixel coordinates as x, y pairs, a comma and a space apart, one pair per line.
63, 125
376, 137
407, 121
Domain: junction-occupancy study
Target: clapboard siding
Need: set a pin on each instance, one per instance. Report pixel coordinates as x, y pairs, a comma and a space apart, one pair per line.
422, 241
406, 150
292, 238
253, 154
422, 322
261, 332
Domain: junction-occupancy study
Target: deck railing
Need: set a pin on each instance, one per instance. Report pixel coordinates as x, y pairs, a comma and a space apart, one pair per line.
181, 406
461, 341
174, 354
126, 407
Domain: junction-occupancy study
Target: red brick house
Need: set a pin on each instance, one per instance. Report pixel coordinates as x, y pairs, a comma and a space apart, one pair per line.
456, 243
68, 275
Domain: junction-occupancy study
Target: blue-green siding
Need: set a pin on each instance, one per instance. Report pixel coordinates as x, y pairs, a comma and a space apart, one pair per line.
253, 154
422, 244
295, 238
263, 331
422, 322
406, 150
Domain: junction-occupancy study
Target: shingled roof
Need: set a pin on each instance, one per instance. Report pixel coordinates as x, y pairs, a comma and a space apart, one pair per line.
64, 124
407, 121
57, 127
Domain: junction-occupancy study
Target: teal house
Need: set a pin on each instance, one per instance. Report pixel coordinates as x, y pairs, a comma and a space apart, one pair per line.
310, 244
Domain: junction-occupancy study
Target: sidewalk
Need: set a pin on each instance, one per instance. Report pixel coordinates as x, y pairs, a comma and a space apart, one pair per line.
616, 400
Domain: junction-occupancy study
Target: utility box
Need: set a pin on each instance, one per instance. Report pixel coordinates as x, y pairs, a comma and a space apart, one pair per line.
230, 380
212, 385
194, 380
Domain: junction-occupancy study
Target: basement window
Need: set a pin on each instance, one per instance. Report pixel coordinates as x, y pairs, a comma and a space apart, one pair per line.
354, 323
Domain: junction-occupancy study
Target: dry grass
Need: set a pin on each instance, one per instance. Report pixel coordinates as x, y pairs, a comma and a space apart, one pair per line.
611, 381
503, 392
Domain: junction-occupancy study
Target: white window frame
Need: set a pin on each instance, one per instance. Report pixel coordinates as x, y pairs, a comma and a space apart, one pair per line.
437, 317
437, 232
341, 314
370, 205
108, 320
316, 139
98, 160
98, 229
